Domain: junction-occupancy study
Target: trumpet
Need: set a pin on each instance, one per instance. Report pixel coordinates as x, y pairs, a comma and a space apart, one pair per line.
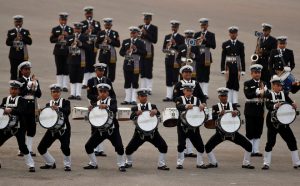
128, 56
169, 50
105, 47
74, 50
62, 41
201, 38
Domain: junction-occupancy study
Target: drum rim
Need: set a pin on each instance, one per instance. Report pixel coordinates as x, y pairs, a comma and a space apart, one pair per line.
56, 119
136, 123
8, 119
219, 124
102, 126
285, 103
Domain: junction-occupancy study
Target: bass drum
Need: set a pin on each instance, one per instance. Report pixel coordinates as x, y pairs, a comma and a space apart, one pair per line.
51, 119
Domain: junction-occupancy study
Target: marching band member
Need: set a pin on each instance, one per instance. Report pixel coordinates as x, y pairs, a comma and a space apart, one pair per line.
139, 137
63, 135
183, 103
30, 91
90, 28
170, 47
217, 111
186, 73
254, 91
17, 38
265, 43
133, 49
206, 41
149, 36
112, 133
93, 96
107, 40
60, 52
233, 63
77, 44
281, 54
14, 106
274, 99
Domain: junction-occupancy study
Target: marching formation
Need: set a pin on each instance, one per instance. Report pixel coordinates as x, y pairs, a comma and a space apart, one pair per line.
187, 68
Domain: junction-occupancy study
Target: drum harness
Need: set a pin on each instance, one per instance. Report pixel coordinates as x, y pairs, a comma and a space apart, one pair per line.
63, 130
111, 129
274, 100
142, 134
184, 127
225, 135
12, 105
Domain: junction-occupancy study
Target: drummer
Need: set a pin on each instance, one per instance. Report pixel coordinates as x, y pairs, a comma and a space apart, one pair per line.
218, 111
112, 134
14, 105
183, 103
274, 99
139, 138
63, 135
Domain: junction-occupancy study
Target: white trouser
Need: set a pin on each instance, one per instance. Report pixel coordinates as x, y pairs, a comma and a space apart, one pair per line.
204, 87
99, 148
129, 159
267, 158
247, 158
127, 95
170, 92
230, 95
93, 159
29, 143
143, 83
78, 89
234, 96
255, 145
86, 77
65, 81
149, 84
28, 160
67, 161
180, 158
48, 158
59, 80
189, 146
295, 158
211, 158
133, 94
161, 159
120, 160
199, 158
73, 89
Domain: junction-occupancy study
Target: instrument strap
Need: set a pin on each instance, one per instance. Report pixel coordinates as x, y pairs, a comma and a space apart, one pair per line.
280, 100
15, 104
60, 102
140, 106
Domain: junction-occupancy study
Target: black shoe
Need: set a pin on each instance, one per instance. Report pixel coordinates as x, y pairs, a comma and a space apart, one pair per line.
167, 100
179, 167
203, 166
125, 103
0, 166
163, 168
48, 166
256, 154
20, 154
133, 103
78, 98
33, 154
191, 155
31, 169
90, 167
127, 165
71, 97
65, 89
122, 169
295, 167
212, 165
100, 153
237, 105
265, 167
67, 168
84, 87
248, 166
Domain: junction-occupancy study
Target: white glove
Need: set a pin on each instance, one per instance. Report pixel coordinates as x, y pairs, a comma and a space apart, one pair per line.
29, 85
265, 88
242, 73
287, 69
222, 72
257, 91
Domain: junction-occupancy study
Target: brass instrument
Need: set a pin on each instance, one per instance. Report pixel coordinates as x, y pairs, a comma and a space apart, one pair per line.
104, 46
200, 39
169, 50
188, 59
128, 56
254, 58
92, 37
258, 50
62, 42
74, 49
18, 43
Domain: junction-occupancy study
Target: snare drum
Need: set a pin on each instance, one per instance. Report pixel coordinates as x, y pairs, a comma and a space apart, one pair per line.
170, 117
145, 123
7, 121
79, 112
100, 118
285, 114
124, 114
51, 119
193, 117
229, 124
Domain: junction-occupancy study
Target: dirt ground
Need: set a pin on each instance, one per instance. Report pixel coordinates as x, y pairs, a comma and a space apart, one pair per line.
42, 15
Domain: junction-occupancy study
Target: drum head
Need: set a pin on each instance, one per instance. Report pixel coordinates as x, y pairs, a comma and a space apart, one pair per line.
146, 122
195, 117
98, 117
4, 119
230, 124
286, 114
48, 118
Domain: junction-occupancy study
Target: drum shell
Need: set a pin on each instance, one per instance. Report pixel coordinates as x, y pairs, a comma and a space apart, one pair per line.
170, 117
79, 112
124, 114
